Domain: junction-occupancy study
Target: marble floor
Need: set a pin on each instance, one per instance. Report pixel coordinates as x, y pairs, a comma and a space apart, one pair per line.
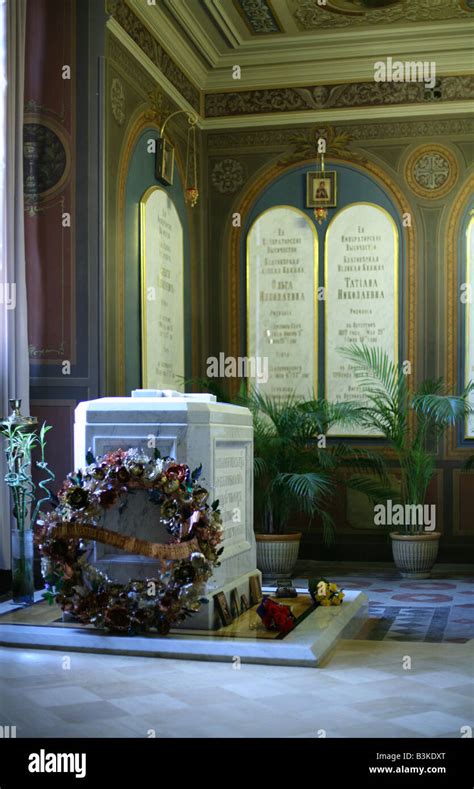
366, 689
395, 687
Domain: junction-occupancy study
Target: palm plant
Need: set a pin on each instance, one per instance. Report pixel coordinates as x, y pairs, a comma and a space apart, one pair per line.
410, 419
295, 469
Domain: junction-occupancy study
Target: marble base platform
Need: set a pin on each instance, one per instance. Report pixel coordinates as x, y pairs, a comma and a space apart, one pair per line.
307, 645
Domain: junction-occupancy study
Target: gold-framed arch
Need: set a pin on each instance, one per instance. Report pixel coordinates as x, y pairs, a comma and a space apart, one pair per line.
463, 200
114, 301
242, 205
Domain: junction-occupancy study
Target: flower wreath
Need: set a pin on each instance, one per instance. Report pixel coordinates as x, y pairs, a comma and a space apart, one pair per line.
185, 563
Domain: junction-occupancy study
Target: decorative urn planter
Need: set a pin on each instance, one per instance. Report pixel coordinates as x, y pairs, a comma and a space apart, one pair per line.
277, 554
415, 554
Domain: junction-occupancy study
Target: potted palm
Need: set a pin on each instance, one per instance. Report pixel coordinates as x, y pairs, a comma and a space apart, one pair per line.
22, 438
411, 420
296, 471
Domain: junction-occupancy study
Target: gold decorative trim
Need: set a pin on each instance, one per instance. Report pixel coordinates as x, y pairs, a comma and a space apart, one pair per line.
436, 193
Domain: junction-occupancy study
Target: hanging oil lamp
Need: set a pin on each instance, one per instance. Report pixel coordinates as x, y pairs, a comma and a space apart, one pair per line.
191, 193
320, 212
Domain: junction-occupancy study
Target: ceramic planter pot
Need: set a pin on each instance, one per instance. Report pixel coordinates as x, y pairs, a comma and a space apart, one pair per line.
277, 554
415, 554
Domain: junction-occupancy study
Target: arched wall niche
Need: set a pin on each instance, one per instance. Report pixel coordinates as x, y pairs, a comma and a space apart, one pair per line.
122, 280
356, 182
460, 229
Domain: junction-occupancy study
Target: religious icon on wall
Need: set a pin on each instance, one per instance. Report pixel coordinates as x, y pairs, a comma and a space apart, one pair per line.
321, 189
164, 161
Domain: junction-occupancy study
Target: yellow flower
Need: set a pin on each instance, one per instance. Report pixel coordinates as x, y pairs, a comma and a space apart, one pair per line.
333, 587
325, 601
336, 601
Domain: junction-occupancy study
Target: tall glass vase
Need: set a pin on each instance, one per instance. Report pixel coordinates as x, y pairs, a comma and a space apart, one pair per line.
22, 567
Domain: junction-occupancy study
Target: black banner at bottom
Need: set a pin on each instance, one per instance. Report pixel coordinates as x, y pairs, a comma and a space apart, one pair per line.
128, 762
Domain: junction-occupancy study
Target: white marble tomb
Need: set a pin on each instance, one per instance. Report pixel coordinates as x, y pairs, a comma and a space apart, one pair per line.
193, 429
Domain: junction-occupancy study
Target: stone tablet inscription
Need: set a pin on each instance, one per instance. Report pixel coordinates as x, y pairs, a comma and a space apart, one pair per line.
361, 289
282, 263
230, 489
162, 264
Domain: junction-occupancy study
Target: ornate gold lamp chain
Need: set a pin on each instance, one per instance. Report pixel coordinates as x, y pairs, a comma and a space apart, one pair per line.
192, 192
321, 213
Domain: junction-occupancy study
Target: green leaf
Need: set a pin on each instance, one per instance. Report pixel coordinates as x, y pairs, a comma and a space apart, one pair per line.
49, 596
196, 473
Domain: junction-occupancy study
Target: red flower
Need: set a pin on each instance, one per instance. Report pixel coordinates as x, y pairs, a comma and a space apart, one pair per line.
177, 471
276, 616
113, 458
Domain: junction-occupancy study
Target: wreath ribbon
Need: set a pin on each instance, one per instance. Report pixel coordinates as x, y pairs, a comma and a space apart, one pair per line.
127, 543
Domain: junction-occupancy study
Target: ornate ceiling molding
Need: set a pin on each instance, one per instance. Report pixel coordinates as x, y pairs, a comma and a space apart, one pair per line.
259, 16
207, 38
140, 34
263, 139
144, 39
319, 97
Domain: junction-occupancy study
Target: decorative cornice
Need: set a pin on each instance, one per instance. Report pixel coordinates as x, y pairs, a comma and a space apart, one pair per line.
321, 97
305, 147
131, 69
140, 34
263, 139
